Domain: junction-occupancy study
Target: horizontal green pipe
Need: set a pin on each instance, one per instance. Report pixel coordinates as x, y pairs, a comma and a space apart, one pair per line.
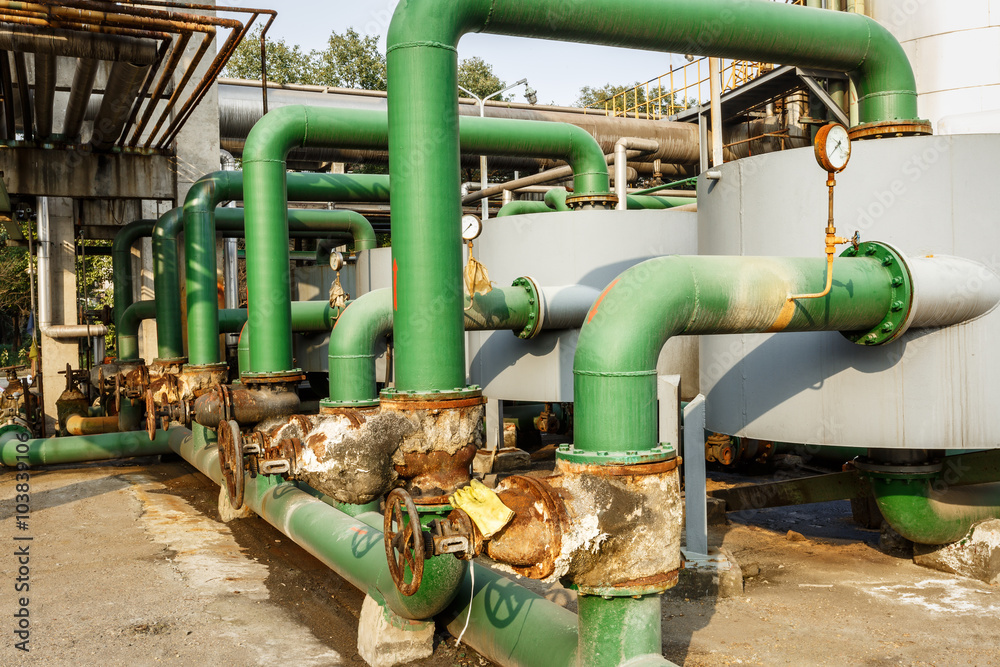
80, 448
667, 186
307, 317
370, 317
523, 207
930, 511
638, 202
121, 268
615, 363
128, 328
350, 547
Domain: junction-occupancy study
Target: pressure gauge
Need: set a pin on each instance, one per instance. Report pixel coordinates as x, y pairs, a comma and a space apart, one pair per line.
336, 260
832, 147
472, 226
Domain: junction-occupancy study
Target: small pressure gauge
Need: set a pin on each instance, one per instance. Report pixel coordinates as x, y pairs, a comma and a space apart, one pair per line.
472, 226
832, 147
336, 260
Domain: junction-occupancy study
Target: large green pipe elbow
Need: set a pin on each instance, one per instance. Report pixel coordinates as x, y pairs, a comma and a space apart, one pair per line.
615, 363
128, 328
121, 267
932, 512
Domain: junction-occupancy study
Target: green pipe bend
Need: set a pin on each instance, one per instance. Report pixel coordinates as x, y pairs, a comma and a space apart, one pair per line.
121, 267
128, 328
930, 511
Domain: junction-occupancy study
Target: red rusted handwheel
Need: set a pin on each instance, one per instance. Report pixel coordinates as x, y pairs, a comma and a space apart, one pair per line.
150, 415
231, 461
404, 541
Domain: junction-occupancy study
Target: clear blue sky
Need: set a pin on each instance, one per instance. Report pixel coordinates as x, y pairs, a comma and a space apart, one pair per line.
557, 70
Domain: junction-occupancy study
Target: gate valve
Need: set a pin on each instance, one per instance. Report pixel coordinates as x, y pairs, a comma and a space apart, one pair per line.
404, 541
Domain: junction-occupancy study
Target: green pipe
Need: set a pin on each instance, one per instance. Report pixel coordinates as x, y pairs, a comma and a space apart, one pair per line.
437, 358
121, 269
668, 186
615, 363
351, 548
166, 284
615, 630
929, 511
648, 202
370, 317
243, 350
128, 328
307, 317
523, 207
422, 68
80, 448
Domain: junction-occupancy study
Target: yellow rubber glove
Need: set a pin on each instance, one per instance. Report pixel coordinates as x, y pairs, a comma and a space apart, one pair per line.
483, 506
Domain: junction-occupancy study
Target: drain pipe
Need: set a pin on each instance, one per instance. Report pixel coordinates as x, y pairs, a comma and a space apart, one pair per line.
45, 325
291, 127
621, 164
524, 308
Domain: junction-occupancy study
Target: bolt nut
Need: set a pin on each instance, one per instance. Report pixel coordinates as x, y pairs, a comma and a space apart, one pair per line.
897, 306
897, 281
887, 327
887, 261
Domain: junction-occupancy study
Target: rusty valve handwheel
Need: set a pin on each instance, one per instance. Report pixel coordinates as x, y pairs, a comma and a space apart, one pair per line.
150, 415
231, 461
404, 541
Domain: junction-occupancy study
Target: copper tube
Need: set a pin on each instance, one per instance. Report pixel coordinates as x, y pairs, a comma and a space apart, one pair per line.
178, 89
78, 26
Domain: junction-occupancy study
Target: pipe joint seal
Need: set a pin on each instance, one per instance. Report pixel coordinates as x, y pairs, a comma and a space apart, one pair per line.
897, 319
535, 319
570, 454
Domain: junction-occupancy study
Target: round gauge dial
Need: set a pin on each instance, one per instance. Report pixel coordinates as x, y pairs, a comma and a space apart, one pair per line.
472, 226
832, 147
336, 260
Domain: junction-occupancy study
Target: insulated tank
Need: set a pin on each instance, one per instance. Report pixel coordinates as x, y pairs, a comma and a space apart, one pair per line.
931, 389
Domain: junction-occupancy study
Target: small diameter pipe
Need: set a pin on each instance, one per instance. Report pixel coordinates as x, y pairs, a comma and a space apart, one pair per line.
77, 449
121, 271
555, 200
128, 328
351, 548
621, 164
436, 365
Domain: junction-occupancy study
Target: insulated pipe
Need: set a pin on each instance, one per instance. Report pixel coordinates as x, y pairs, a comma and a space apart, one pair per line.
80, 425
44, 270
45, 90
422, 68
370, 317
621, 164
77, 43
79, 93
121, 272
929, 511
124, 82
264, 164
77, 449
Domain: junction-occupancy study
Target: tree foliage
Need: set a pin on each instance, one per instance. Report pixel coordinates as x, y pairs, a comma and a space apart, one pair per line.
349, 60
15, 300
477, 75
597, 95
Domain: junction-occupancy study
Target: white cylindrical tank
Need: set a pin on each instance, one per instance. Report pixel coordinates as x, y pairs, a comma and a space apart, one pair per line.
954, 48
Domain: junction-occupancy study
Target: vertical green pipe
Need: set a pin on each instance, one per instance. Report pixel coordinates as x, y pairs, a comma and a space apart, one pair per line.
121, 268
615, 630
166, 284
243, 350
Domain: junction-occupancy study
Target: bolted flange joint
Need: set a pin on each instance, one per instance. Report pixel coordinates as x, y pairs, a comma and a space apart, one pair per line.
897, 319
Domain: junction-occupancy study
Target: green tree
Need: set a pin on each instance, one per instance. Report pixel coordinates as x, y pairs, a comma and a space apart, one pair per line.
351, 61
477, 75
597, 96
285, 64
15, 300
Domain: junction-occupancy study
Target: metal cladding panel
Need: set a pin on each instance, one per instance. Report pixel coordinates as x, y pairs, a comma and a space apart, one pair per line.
932, 388
312, 283
580, 247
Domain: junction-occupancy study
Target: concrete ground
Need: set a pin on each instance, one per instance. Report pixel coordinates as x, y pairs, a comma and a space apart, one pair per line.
129, 564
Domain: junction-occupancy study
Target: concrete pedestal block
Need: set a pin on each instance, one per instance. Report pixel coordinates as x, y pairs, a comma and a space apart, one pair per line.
385, 639
976, 556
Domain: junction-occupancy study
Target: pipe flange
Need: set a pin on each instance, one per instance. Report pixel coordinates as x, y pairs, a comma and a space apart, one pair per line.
890, 128
632, 470
645, 586
896, 471
897, 319
292, 377
600, 200
535, 298
551, 516
570, 454
327, 406
427, 400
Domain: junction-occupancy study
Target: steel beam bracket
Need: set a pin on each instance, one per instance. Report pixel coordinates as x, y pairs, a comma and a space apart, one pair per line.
900, 314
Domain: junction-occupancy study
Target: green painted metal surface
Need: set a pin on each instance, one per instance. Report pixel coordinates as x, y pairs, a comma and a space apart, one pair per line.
166, 284
615, 363
931, 511
615, 630
128, 328
79, 448
121, 270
